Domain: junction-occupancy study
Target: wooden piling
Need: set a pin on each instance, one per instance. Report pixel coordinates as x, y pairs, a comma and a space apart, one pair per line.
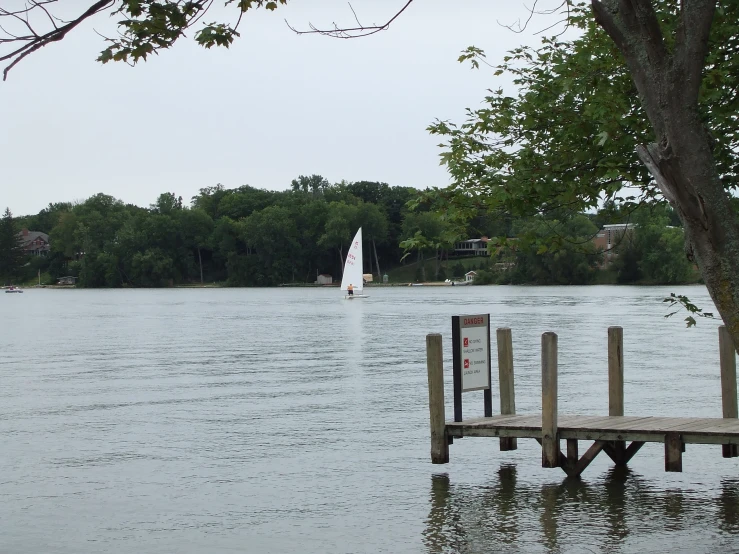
437, 417
727, 354
572, 452
673, 452
549, 435
615, 371
616, 386
505, 379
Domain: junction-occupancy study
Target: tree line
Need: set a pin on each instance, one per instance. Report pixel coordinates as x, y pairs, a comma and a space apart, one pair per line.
255, 237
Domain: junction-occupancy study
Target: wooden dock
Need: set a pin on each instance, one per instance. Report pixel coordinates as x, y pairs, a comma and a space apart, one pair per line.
608, 433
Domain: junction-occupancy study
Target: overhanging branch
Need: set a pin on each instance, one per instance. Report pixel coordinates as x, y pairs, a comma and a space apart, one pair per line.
351, 32
35, 41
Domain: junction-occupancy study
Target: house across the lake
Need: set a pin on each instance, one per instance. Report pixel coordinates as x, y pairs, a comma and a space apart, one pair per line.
35, 243
66, 280
470, 276
472, 247
324, 279
609, 237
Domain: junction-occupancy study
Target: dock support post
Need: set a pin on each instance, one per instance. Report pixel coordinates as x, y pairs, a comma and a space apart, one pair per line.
616, 386
573, 455
549, 433
435, 367
673, 452
727, 354
505, 379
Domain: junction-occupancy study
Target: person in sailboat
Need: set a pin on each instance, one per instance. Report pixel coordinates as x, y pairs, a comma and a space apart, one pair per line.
350, 290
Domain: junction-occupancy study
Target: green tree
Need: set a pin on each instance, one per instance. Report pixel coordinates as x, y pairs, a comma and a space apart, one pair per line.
47, 218
196, 228
341, 225
244, 201
652, 252
314, 185
428, 232
651, 107
272, 239
12, 257
209, 199
554, 252
167, 204
374, 225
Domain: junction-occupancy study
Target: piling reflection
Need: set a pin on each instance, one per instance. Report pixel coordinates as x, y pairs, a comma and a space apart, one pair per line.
614, 513
728, 506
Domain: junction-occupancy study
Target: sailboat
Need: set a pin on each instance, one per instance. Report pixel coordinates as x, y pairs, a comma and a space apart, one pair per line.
353, 269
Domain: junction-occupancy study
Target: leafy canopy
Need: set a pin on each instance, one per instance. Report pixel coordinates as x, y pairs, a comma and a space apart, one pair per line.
151, 25
567, 138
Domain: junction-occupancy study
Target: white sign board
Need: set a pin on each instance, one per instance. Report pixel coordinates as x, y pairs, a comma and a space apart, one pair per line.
474, 342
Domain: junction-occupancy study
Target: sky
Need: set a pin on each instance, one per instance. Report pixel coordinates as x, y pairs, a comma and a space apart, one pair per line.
274, 106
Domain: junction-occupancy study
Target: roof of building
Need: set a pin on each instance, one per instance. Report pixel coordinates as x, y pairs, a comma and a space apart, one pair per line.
483, 239
619, 226
30, 236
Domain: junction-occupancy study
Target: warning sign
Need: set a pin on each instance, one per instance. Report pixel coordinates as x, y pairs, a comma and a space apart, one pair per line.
474, 333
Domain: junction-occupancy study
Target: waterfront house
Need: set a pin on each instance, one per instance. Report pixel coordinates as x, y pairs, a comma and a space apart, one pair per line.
472, 247
35, 243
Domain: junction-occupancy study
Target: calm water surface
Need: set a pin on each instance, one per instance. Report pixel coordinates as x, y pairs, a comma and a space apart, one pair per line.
288, 420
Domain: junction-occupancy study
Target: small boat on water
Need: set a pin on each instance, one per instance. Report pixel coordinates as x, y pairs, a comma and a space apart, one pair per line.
13, 289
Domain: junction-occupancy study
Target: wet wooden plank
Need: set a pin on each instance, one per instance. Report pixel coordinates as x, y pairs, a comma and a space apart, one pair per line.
609, 428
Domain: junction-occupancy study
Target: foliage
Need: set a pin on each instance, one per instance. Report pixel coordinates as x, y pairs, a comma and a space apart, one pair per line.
267, 238
573, 261
682, 301
11, 248
653, 252
568, 137
148, 26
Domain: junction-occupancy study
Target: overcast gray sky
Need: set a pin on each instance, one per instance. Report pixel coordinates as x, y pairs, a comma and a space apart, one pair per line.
274, 106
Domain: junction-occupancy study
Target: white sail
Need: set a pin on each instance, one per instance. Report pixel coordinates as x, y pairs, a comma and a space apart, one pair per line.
353, 266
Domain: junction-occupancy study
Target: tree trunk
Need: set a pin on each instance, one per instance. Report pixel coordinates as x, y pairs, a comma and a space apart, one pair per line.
200, 260
341, 260
377, 260
422, 265
681, 158
438, 264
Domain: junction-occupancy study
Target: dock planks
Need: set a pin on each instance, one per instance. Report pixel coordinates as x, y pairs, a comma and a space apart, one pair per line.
607, 428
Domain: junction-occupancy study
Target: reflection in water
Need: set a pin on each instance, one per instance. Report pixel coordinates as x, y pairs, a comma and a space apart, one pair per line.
508, 515
728, 506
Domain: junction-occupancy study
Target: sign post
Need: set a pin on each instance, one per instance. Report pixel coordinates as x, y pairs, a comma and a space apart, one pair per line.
471, 359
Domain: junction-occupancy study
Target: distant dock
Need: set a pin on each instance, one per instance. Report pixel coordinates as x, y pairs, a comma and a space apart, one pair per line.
610, 434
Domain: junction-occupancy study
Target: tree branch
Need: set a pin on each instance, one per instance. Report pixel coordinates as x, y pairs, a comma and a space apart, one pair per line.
350, 32
37, 41
691, 47
634, 27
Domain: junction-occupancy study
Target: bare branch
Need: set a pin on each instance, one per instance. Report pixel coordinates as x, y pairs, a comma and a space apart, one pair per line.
350, 32
37, 41
563, 6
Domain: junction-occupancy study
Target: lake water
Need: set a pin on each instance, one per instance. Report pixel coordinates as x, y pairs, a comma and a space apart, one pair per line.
290, 420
